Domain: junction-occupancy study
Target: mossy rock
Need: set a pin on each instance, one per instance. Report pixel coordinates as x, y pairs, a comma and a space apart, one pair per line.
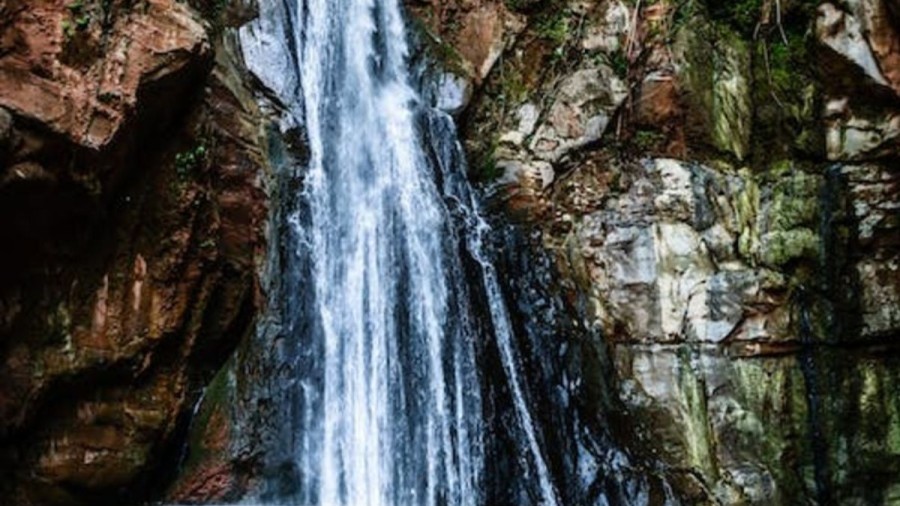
716, 71
784, 246
794, 200
205, 441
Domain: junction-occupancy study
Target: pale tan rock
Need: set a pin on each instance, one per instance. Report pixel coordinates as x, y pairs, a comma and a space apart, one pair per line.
584, 105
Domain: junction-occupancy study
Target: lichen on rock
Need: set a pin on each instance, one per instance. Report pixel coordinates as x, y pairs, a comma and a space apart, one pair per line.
730, 223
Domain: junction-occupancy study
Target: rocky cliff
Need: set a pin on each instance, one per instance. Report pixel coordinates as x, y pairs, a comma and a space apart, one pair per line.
716, 183
719, 180
132, 210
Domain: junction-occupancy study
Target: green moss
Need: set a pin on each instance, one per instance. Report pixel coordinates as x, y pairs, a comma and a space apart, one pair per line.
439, 50
795, 202
787, 88
187, 163
892, 413
518, 5
746, 207
741, 15
783, 246
685, 12
217, 398
56, 329
771, 110
79, 18
553, 26
717, 72
647, 140
781, 168
732, 108
777, 215
783, 58
513, 88
486, 167
698, 437
773, 396
67, 29
618, 62
792, 215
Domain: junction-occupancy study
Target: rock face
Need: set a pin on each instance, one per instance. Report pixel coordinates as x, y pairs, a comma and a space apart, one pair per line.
719, 181
80, 69
716, 180
476, 33
132, 210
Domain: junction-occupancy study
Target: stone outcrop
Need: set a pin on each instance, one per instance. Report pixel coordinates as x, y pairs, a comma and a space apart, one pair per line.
78, 69
862, 110
719, 181
215, 470
132, 211
475, 34
716, 180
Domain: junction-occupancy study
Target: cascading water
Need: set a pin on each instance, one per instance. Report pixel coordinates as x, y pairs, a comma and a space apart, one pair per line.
389, 407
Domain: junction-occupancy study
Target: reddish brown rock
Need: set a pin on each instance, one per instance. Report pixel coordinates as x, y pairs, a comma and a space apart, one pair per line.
658, 102
132, 205
80, 75
213, 478
884, 38
481, 37
214, 471
479, 30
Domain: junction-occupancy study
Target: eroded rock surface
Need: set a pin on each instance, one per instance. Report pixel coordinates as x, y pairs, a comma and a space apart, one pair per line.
717, 181
732, 223
132, 209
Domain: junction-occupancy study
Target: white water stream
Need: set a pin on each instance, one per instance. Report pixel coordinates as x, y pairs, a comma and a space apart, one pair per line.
391, 408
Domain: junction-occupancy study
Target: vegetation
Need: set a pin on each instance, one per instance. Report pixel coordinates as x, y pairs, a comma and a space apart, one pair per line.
741, 15
618, 61
513, 89
554, 27
517, 5
486, 168
189, 162
648, 140
787, 84
78, 21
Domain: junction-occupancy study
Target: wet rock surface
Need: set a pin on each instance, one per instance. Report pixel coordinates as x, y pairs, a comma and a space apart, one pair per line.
731, 229
132, 208
714, 184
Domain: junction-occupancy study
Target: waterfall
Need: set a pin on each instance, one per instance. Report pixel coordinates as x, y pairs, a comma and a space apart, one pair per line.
388, 394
